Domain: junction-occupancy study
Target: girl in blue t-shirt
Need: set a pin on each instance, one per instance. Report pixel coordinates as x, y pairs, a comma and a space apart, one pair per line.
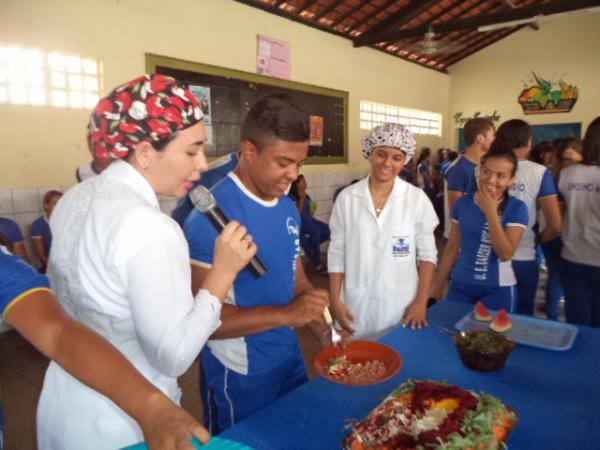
486, 230
313, 231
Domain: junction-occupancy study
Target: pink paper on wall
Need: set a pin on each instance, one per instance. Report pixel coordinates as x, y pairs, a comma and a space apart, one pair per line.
273, 58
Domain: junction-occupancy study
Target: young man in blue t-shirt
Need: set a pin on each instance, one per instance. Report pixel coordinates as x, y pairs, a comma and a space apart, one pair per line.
460, 175
254, 357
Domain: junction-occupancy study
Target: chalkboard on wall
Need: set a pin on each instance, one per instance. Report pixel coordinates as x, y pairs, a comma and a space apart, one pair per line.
233, 92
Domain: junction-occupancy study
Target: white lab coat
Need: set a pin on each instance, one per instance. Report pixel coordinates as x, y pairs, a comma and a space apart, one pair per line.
378, 255
121, 267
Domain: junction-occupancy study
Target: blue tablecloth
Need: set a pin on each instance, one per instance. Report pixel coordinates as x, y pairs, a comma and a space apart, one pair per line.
556, 394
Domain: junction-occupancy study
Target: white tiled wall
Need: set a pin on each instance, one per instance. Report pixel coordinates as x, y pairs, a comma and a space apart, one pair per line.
322, 186
24, 206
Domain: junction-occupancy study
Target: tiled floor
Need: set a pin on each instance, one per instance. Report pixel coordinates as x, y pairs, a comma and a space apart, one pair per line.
22, 371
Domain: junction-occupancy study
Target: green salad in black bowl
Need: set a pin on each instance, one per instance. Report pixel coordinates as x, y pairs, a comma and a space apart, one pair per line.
485, 351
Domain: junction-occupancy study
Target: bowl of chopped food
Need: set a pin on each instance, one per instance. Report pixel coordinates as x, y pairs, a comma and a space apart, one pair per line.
358, 363
485, 351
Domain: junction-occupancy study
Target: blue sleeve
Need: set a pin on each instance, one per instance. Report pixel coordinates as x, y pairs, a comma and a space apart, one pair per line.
457, 179
17, 278
215, 175
457, 209
518, 215
422, 168
12, 230
201, 235
547, 187
36, 227
212, 177
560, 196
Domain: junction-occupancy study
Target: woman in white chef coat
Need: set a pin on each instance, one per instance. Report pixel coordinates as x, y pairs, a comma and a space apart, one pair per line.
121, 266
382, 251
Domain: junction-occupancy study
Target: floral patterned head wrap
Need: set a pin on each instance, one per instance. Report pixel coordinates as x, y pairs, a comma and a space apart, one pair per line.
149, 108
390, 135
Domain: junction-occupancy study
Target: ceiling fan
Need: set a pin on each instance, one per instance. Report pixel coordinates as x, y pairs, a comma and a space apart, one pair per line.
429, 45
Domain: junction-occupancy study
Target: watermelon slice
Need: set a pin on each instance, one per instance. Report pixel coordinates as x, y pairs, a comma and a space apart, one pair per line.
502, 322
482, 313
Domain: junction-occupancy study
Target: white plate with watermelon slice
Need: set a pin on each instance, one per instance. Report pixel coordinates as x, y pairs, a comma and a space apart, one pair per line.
526, 330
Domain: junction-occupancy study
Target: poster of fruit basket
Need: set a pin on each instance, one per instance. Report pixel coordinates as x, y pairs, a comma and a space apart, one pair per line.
541, 96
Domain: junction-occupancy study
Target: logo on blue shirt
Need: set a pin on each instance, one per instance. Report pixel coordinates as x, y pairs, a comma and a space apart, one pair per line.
482, 258
293, 229
292, 226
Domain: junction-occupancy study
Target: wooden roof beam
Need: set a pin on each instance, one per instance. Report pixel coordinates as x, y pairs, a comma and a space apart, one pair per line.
511, 5
527, 12
327, 10
308, 5
393, 22
447, 10
373, 13
351, 11
293, 17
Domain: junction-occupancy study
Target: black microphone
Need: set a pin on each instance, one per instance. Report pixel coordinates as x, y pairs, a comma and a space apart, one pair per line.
206, 203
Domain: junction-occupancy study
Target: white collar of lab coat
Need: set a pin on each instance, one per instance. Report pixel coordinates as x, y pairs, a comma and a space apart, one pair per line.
125, 173
361, 189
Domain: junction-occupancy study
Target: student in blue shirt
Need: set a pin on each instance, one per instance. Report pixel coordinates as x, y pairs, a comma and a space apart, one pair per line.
460, 175
534, 185
28, 304
561, 154
217, 170
425, 172
443, 160
254, 357
313, 231
486, 229
41, 235
12, 233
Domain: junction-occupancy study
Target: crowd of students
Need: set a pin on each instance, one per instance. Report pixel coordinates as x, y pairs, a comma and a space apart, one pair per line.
557, 205
41, 236
145, 294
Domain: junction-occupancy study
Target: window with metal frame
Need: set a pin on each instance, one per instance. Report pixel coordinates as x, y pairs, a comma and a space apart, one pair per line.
419, 122
30, 76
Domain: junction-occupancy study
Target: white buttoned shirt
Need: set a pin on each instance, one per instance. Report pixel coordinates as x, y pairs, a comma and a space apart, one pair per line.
378, 255
120, 266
